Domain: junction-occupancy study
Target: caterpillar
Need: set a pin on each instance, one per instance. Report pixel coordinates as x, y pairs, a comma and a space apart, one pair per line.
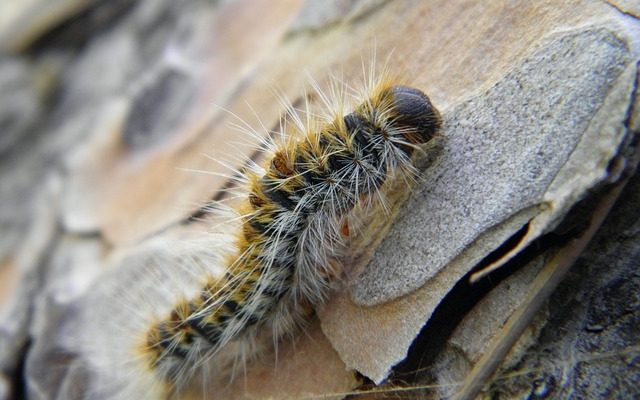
293, 222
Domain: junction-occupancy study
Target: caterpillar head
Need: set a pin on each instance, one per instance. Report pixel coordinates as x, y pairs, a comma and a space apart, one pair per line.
414, 114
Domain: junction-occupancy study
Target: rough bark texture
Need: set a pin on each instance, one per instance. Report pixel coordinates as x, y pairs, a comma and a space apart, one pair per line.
106, 103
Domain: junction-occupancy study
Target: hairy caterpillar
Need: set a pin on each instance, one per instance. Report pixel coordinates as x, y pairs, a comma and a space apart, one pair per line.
293, 222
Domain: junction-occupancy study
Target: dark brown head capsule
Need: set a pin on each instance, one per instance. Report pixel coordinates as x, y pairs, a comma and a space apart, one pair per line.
415, 114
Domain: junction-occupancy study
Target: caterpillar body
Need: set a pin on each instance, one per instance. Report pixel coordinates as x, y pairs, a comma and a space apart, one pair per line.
286, 252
